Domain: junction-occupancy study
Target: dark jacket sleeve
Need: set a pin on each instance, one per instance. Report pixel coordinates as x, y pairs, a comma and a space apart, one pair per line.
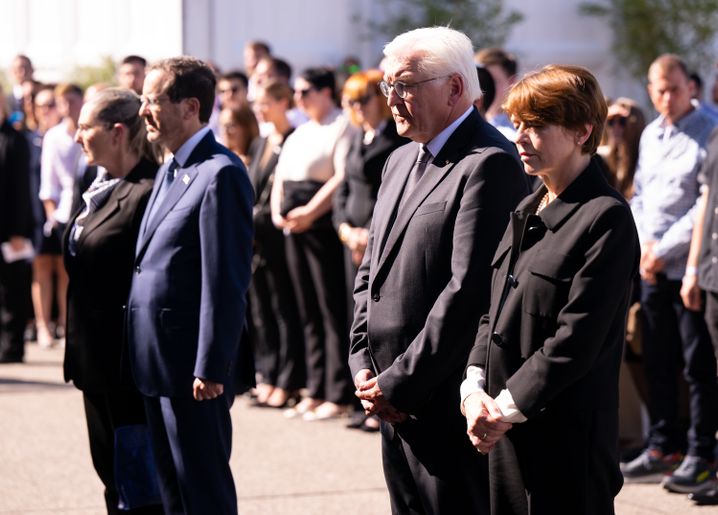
19, 211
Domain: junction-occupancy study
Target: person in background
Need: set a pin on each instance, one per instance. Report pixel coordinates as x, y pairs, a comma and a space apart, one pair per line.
696, 84
278, 342
666, 192
238, 128
21, 70
131, 73
16, 225
310, 169
273, 69
232, 90
488, 90
59, 167
624, 125
357, 193
99, 253
254, 51
502, 66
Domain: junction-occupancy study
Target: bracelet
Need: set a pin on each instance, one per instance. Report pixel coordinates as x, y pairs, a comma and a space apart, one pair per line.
691, 271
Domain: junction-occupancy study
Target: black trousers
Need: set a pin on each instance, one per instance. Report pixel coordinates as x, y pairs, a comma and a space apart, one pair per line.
317, 271
431, 469
672, 333
105, 412
278, 341
711, 317
15, 281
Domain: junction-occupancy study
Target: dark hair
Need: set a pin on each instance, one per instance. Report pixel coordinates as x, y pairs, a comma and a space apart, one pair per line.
321, 78
189, 78
696, 79
488, 86
491, 56
280, 66
135, 59
236, 75
568, 96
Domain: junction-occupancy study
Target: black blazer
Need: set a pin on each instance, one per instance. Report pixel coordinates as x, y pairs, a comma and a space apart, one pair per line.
356, 195
556, 339
100, 275
16, 218
425, 277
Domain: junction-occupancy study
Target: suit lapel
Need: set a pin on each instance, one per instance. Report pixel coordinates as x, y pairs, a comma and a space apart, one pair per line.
442, 164
110, 207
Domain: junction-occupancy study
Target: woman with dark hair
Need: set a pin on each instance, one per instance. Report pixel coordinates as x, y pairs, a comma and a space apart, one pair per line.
356, 195
278, 335
99, 252
310, 168
541, 388
238, 128
624, 125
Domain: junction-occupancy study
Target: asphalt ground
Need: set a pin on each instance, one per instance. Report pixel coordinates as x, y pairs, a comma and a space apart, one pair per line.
280, 466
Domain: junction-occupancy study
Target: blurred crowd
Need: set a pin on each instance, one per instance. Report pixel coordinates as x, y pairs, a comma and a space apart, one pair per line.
315, 142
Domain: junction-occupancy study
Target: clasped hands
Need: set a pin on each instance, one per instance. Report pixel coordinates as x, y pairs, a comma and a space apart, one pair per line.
484, 423
296, 221
373, 400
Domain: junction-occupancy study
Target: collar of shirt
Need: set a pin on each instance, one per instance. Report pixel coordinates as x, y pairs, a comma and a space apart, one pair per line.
436, 144
183, 153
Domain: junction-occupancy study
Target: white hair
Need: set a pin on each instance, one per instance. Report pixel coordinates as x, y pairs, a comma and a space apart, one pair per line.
438, 51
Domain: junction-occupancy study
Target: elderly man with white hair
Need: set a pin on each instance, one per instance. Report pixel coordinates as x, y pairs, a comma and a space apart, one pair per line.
444, 202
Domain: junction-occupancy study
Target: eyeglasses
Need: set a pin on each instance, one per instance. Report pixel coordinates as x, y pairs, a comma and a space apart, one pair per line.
49, 105
304, 92
153, 101
400, 87
617, 120
361, 101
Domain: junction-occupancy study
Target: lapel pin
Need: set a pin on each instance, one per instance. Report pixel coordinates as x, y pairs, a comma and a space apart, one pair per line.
185, 179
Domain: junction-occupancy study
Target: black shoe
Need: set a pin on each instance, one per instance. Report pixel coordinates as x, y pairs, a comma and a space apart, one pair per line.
10, 359
708, 496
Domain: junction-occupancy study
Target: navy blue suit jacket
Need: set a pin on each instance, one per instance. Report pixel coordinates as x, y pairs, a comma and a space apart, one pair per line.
187, 304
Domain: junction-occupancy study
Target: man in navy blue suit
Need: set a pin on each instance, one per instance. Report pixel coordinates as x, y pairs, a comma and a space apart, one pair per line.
187, 304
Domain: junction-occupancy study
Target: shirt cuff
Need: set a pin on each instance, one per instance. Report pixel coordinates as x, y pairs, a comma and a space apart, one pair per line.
476, 382
508, 407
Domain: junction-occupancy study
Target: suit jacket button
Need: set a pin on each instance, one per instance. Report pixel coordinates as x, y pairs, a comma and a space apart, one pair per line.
497, 339
375, 297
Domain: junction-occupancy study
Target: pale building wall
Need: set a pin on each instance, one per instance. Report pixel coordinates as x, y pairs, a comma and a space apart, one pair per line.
60, 34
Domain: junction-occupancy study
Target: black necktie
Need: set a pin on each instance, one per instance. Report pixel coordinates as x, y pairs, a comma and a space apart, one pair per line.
416, 173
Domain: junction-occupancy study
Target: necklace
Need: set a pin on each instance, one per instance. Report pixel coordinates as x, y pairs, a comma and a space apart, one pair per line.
543, 203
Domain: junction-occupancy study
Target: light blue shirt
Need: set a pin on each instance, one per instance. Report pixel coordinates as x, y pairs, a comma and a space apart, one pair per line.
667, 186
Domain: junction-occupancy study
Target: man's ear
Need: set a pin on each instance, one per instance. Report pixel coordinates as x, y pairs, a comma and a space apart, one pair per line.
457, 87
191, 107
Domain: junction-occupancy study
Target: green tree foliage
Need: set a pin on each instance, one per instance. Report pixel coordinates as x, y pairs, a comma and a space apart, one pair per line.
486, 22
645, 29
85, 76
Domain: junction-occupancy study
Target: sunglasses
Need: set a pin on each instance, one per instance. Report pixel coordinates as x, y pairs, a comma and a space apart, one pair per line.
361, 101
617, 120
304, 92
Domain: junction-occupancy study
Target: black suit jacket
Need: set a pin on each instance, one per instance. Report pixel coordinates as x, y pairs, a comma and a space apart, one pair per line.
556, 338
424, 281
100, 275
356, 195
16, 217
